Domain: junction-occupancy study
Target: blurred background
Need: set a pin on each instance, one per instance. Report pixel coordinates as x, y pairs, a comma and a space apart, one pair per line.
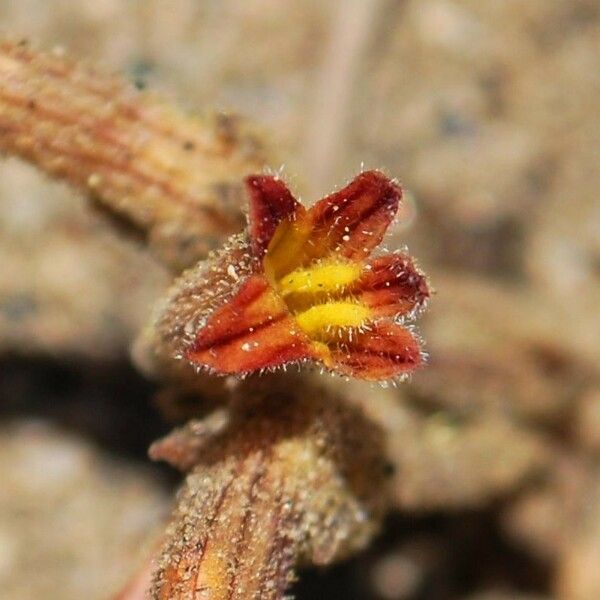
489, 114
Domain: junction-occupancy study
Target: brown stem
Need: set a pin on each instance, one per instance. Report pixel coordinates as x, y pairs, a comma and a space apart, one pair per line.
291, 479
175, 177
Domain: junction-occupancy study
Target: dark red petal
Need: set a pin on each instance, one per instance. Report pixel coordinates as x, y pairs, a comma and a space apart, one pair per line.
353, 221
254, 330
388, 350
270, 203
391, 285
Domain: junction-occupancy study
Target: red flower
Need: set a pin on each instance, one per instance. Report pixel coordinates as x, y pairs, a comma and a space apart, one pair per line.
308, 290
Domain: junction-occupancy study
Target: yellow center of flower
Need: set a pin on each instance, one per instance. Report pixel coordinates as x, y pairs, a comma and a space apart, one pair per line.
320, 278
328, 321
315, 290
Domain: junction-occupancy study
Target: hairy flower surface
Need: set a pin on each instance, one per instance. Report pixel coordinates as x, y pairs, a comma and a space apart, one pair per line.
309, 290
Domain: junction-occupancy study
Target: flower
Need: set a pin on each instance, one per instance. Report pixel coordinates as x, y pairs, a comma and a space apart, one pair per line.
306, 287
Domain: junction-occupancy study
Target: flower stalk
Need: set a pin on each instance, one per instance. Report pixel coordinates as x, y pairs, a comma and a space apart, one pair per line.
292, 478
